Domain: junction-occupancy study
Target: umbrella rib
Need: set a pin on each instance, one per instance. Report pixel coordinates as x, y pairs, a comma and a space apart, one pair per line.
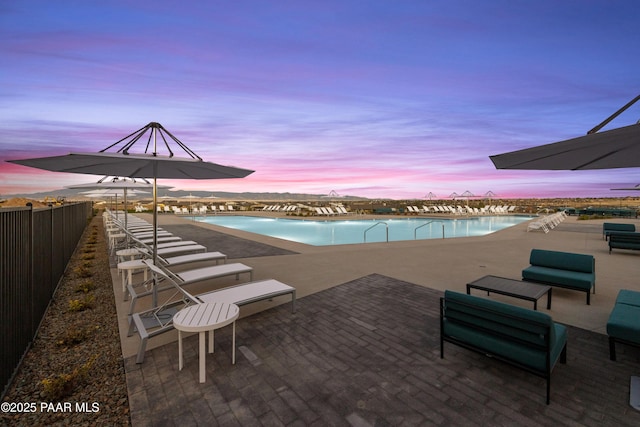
604, 156
181, 144
123, 139
166, 144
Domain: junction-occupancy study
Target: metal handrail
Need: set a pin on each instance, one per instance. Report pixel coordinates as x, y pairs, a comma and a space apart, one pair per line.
374, 225
415, 230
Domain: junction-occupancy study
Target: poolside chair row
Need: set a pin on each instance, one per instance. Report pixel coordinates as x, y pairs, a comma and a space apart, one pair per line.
195, 210
279, 208
460, 210
329, 211
168, 284
547, 222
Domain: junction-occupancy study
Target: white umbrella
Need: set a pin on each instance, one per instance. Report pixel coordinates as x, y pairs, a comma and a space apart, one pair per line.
125, 185
149, 163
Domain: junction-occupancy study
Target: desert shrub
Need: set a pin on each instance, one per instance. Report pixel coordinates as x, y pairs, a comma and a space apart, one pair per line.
74, 335
86, 286
62, 385
83, 271
81, 304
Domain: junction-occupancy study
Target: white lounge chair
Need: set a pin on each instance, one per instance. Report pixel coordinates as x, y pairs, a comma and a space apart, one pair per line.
150, 323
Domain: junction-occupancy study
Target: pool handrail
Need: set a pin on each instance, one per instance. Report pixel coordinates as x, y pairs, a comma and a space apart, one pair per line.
374, 225
415, 230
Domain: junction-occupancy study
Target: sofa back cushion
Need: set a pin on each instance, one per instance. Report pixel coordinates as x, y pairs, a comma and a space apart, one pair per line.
562, 260
526, 326
614, 226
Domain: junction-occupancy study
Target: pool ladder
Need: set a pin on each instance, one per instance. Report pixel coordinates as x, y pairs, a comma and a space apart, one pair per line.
375, 225
415, 230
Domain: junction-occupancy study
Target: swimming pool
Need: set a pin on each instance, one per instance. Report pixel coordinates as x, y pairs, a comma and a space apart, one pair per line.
342, 232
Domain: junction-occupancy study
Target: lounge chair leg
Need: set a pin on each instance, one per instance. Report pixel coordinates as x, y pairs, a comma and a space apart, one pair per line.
293, 302
141, 350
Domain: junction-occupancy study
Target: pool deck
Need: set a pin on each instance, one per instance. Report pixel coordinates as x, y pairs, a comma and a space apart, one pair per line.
433, 265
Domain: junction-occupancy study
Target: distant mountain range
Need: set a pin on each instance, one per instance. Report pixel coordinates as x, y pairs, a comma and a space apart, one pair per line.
77, 193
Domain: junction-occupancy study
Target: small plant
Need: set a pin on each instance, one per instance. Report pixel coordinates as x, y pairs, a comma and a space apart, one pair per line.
58, 386
74, 336
81, 304
62, 385
83, 271
86, 286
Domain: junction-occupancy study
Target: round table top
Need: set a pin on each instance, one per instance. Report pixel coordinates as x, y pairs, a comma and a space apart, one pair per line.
205, 316
128, 252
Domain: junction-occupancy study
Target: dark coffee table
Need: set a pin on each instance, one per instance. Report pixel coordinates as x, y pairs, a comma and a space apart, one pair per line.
512, 288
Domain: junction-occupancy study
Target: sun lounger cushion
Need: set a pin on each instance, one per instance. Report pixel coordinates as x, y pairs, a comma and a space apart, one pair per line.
249, 292
185, 259
214, 272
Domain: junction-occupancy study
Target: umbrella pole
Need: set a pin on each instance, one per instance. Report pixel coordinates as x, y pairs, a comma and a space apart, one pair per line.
155, 220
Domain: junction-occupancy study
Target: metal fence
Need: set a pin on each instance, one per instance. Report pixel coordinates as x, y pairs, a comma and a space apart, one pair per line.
35, 248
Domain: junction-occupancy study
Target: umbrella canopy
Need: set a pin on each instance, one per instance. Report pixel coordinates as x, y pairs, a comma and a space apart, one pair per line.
616, 148
612, 149
637, 187
135, 166
124, 185
150, 163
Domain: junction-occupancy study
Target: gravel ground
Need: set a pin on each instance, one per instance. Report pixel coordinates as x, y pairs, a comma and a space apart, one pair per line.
85, 345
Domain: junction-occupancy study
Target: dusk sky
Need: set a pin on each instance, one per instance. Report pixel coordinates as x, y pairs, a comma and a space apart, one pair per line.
381, 99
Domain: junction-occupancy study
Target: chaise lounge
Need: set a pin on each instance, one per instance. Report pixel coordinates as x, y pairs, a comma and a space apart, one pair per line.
158, 320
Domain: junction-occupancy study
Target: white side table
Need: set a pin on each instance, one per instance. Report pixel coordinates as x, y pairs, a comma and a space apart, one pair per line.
127, 268
202, 318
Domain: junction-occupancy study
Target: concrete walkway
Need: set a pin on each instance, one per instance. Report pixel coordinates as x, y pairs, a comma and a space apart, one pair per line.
422, 268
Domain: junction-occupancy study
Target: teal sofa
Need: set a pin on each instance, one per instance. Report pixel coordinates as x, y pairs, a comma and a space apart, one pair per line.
620, 240
614, 227
524, 338
623, 325
562, 269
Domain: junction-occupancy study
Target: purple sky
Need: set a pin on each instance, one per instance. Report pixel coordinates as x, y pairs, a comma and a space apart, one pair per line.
371, 98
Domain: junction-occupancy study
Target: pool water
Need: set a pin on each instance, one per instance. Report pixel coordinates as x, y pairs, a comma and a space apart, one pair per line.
341, 232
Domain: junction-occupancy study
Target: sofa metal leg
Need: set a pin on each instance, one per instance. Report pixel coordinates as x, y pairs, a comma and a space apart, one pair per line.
612, 349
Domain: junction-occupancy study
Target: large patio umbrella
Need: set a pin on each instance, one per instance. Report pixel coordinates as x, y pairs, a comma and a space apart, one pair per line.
146, 163
611, 149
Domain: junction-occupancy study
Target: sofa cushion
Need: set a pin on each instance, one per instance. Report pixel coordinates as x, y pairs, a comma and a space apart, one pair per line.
572, 279
562, 260
623, 323
628, 297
